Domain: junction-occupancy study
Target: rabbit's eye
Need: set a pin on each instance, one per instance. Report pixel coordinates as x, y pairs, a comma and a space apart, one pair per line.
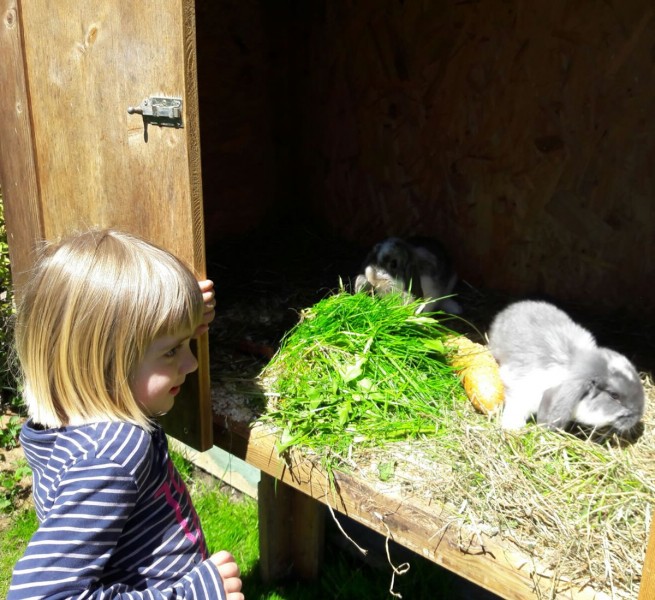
614, 395
393, 263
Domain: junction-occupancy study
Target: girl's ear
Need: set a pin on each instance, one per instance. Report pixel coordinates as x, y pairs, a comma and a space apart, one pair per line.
558, 403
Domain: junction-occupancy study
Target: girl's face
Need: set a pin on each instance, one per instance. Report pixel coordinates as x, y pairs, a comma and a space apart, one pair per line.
162, 371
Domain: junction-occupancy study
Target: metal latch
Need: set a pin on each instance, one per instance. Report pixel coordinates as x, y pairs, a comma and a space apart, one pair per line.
156, 110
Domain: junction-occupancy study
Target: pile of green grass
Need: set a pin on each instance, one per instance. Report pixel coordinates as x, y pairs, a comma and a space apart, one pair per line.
361, 370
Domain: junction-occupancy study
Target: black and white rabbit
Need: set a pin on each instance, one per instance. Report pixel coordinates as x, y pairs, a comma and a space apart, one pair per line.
419, 267
551, 367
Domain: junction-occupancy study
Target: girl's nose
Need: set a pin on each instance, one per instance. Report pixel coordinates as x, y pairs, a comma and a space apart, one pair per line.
189, 363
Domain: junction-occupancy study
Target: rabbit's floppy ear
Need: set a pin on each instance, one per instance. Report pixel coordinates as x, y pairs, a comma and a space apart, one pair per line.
558, 403
372, 256
412, 277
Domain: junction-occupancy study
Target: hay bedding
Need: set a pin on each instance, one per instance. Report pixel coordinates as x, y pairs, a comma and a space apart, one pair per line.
581, 509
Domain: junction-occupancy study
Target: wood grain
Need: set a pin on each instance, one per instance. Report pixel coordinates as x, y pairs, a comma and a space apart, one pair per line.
291, 531
20, 186
430, 531
647, 587
90, 162
519, 133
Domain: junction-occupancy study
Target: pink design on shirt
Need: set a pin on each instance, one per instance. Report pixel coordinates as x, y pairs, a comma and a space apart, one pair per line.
191, 527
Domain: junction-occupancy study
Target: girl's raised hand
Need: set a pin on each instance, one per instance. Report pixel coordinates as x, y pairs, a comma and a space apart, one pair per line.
230, 574
207, 289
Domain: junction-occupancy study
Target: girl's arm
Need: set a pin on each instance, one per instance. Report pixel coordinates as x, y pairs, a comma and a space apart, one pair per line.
88, 543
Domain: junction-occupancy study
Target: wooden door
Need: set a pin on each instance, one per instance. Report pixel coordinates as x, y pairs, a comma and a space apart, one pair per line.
71, 156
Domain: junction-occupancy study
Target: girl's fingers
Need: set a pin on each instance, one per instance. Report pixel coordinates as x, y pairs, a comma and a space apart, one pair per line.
222, 557
206, 285
230, 574
209, 298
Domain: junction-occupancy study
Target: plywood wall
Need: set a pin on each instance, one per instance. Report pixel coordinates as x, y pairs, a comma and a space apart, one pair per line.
521, 133
242, 72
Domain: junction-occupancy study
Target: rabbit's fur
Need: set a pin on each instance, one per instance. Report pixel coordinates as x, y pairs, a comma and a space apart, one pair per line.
551, 367
418, 267
378, 280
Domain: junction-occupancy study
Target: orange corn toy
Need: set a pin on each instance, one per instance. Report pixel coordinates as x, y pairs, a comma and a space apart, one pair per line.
479, 373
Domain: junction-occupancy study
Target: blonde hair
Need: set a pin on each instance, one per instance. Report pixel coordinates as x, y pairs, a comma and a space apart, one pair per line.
94, 304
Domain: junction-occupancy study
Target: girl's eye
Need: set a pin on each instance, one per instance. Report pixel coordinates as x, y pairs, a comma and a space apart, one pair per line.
172, 352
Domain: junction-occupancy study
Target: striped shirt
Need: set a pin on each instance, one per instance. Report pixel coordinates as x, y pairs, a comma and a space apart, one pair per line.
115, 519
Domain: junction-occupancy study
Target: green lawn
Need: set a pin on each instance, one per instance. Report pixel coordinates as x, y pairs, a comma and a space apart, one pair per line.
230, 522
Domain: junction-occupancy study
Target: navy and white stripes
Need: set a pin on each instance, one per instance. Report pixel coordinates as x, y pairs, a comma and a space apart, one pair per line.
116, 520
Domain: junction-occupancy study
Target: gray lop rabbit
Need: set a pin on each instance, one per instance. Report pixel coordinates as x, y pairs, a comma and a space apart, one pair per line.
416, 267
551, 367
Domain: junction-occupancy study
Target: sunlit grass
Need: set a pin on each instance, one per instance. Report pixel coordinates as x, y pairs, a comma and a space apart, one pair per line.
13, 542
230, 522
362, 370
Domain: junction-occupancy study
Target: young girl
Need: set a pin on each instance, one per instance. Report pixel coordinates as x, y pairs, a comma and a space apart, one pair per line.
103, 333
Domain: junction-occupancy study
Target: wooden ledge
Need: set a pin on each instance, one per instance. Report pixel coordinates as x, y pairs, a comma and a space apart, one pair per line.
430, 531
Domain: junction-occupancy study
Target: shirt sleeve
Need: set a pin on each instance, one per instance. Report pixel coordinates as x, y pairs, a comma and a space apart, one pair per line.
73, 545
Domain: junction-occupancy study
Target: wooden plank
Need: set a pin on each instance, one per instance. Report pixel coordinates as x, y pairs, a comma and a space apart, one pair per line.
17, 159
274, 507
86, 65
647, 587
291, 531
88, 162
230, 469
427, 530
191, 418
307, 533
517, 133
